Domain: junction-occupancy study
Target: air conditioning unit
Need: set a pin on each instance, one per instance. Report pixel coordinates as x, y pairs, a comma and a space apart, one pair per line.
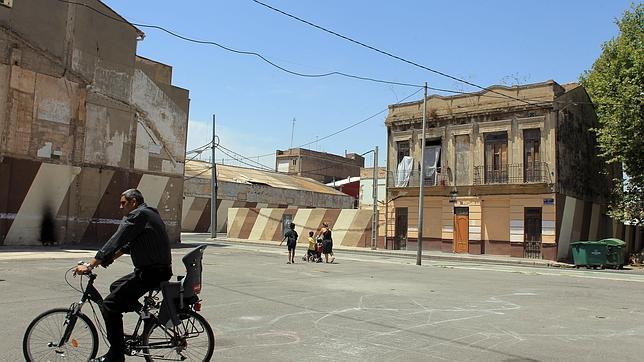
7, 3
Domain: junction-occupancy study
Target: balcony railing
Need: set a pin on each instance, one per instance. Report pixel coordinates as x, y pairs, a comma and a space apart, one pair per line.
412, 178
514, 173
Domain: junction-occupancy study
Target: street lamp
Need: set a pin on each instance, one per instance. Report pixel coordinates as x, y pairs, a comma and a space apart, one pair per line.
374, 193
452, 195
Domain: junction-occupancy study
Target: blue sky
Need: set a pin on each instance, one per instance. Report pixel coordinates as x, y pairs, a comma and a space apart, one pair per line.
491, 42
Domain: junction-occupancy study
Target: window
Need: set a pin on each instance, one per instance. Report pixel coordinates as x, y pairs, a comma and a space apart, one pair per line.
403, 150
432, 161
294, 161
532, 169
496, 157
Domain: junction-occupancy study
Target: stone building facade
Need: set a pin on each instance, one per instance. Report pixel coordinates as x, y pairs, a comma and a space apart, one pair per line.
509, 170
82, 118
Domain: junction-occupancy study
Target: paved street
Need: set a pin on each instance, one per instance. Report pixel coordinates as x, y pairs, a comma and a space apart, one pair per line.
373, 307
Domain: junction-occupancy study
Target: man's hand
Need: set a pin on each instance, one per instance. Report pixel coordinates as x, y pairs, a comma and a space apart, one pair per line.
82, 269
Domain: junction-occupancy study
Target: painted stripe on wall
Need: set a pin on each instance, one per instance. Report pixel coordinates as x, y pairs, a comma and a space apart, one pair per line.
565, 233
238, 215
25, 229
152, 187
300, 221
185, 210
263, 218
593, 232
342, 224
222, 213
516, 230
547, 228
273, 226
360, 225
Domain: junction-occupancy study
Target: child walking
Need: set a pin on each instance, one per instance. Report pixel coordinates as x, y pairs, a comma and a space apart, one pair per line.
291, 241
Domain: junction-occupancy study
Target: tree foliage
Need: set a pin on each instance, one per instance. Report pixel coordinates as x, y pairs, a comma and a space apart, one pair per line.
615, 85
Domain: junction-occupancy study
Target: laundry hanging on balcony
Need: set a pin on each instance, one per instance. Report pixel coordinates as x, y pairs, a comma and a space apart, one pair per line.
432, 155
404, 171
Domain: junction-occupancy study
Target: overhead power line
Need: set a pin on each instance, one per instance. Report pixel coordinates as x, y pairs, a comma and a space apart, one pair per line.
384, 52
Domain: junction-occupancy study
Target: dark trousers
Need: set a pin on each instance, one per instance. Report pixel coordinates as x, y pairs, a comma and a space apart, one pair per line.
124, 295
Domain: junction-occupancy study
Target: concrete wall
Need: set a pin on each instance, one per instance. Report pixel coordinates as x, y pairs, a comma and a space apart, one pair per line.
351, 227
81, 121
196, 204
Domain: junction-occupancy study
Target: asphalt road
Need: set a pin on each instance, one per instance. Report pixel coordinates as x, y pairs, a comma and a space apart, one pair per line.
373, 308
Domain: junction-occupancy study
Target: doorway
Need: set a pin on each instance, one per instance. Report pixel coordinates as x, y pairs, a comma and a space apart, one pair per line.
532, 233
400, 242
461, 229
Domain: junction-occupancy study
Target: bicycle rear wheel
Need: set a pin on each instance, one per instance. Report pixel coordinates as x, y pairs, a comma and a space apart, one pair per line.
45, 332
195, 340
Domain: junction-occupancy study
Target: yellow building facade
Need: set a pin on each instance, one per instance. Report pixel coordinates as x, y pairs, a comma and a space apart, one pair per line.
508, 170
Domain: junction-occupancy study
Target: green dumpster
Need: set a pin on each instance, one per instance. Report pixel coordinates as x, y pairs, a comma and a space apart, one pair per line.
616, 252
591, 254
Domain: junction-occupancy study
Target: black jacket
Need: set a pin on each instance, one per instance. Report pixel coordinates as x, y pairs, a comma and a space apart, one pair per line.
141, 234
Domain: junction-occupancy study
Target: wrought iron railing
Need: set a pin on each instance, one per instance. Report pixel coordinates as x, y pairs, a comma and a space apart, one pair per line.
516, 173
412, 178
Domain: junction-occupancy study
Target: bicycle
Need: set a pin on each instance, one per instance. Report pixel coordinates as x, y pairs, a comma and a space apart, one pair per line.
165, 330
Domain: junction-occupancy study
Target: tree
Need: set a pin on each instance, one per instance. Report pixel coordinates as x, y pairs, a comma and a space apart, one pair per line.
615, 85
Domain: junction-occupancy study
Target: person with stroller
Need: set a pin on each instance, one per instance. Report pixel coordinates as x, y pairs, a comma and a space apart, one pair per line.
327, 242
311, 252
291, 241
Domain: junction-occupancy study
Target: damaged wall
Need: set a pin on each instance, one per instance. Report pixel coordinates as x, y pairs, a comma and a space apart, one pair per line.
77, 111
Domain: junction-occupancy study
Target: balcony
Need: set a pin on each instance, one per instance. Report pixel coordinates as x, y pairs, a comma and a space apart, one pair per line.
412, 178
512, 174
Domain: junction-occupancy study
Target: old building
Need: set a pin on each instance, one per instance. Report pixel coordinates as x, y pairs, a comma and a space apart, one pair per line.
509, 170
320, 166
82, 118
240, 187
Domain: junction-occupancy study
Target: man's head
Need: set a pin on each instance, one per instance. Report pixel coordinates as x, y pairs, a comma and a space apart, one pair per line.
292, 226
311, 233
130, 200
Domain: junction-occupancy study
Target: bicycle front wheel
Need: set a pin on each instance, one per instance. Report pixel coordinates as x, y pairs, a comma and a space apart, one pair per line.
193, 341
45, 332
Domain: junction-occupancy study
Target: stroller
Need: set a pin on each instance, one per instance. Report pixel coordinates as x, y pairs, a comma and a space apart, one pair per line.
315, 256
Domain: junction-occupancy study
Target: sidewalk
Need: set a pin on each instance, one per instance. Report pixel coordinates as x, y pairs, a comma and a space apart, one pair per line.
427, 254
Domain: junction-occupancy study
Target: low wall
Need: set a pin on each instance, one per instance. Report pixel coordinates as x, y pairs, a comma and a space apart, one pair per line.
351, 227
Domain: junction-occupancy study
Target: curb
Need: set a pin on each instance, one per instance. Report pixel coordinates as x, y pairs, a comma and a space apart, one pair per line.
409, 255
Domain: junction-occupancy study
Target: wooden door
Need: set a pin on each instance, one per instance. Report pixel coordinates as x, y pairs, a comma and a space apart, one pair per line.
461, 229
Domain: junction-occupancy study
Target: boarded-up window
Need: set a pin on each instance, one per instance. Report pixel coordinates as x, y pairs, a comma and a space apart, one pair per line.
462, 174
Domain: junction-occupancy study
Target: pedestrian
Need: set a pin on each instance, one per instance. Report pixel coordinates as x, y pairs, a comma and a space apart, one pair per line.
48, 228
327, 242
311, 252
291, 241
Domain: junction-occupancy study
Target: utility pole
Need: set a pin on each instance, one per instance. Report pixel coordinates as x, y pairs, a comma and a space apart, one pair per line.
213, 186
292, 132
421, 183
374, 221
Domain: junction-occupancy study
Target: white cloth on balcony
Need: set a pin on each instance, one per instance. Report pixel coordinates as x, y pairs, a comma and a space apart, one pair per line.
404, 171
432, 153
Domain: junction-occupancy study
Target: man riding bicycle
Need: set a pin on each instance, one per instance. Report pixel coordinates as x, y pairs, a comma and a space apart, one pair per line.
142, 234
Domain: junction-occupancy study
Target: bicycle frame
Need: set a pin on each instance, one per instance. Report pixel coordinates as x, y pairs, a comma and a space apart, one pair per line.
91, 294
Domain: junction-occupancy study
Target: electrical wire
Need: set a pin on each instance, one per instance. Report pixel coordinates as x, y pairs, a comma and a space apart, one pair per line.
265, 168
244, 157
385, 52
